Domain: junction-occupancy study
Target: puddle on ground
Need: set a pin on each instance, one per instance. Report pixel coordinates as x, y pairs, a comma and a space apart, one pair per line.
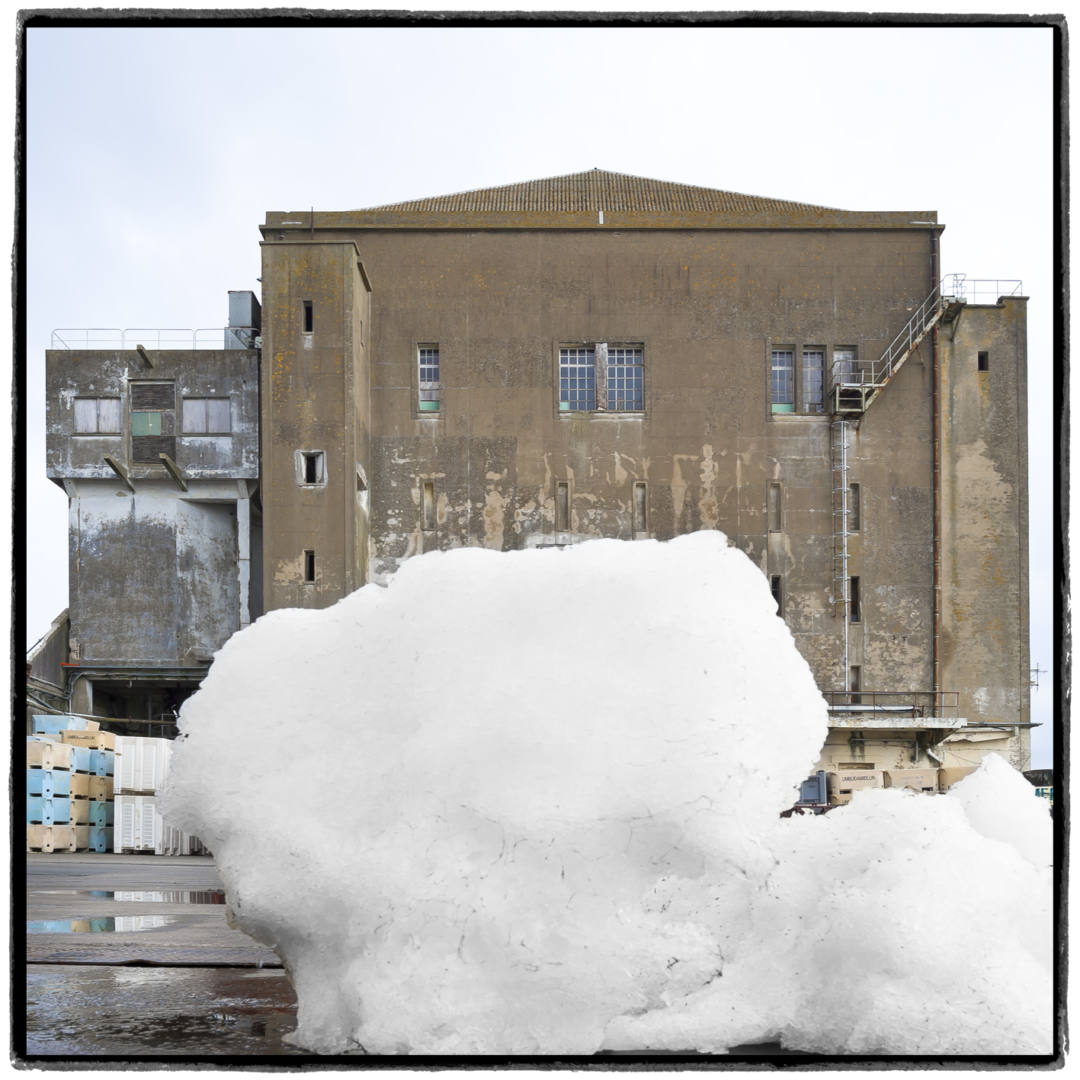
119, 924
153, 896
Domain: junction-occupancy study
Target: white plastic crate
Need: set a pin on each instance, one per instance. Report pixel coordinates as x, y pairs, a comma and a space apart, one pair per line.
141, 764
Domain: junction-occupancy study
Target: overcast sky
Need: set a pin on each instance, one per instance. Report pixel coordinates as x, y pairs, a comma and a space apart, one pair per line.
154, 154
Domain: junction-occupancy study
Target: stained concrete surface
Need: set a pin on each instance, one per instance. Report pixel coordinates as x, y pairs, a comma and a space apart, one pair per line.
189, 988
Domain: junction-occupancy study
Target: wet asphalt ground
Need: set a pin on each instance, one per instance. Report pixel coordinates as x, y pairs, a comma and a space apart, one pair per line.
130, 957
130, 960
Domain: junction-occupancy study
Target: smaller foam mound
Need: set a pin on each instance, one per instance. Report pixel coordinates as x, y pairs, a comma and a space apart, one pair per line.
894, 925
1002, 805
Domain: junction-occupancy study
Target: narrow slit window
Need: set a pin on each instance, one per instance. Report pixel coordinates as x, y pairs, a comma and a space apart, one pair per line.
428, 508
855, 508
309, 565
777, 595
428, 378
856, 685
562, 506
813, 380
855, 601
984, 361
640, 506
309, 317
775, 519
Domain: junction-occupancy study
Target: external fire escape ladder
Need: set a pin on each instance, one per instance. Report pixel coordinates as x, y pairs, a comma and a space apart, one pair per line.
855, 384
839, 452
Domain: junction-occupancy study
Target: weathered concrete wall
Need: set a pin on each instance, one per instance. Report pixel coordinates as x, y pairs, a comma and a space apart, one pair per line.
984, 631
708, 307
314, 392
195, 373
153, 576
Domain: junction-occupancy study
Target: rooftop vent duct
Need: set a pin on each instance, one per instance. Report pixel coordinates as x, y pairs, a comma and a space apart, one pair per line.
245, 320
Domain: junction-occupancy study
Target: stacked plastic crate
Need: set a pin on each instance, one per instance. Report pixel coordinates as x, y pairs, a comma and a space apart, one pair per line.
69, 786
142, 765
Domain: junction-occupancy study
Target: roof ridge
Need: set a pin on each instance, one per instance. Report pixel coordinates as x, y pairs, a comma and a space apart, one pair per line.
596, 189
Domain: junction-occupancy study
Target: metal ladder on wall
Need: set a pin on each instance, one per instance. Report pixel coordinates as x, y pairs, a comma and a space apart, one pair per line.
854, 387
840, 454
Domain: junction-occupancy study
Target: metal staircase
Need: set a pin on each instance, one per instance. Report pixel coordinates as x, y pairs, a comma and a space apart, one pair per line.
855, 384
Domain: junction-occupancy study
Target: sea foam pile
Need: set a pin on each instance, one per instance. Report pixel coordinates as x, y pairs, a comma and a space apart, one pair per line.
527, 803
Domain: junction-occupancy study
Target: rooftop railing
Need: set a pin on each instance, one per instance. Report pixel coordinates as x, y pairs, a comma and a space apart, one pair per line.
980, 290
104, 338
914, 703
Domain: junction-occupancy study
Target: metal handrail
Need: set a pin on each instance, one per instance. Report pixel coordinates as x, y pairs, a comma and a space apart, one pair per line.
952, 287
104, 338
961, 287
917, 702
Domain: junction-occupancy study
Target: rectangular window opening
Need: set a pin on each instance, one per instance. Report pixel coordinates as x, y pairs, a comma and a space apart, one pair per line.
625, 378
640, 506
309, 317
206, 416
97, 416
774, 585
813, 380
309, 565
775, 519
427, 359
577, 379
428, 499
783, 380
854, 508
855, 676
855, 601
984, 361
313, 467
562, 506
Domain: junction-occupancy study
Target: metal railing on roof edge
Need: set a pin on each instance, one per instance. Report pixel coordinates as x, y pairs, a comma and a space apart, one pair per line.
102, 338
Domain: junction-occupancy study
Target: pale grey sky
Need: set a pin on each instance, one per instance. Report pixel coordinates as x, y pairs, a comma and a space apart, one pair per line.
154, 154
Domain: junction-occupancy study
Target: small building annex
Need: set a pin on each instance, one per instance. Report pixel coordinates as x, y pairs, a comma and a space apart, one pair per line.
546, 362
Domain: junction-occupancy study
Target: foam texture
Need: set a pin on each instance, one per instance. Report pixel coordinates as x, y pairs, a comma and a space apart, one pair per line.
527, 803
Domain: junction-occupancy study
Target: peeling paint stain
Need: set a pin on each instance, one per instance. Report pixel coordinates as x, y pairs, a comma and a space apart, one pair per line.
493, 519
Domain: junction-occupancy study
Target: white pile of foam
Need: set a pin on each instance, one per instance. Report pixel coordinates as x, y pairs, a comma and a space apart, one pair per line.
527, 803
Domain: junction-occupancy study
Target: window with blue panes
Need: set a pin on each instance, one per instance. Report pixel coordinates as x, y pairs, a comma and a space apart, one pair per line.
577, 379
626, 378
783, 380
428, 371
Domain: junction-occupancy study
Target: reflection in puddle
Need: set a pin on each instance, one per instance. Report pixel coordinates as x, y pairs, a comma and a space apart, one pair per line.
120, 924
154, 896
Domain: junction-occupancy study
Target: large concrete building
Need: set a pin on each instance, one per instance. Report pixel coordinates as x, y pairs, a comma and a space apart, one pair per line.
603, 355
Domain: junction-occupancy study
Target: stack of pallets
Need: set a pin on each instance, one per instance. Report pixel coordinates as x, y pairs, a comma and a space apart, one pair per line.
69, 785
142, 765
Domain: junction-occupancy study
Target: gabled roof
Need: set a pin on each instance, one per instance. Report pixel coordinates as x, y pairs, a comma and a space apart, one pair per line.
594, 191
591, 200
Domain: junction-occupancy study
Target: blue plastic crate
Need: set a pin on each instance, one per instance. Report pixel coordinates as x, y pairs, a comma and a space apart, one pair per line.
101, 839
48, 782
102, 762
53, 725
43, 810
101, 814
80, 758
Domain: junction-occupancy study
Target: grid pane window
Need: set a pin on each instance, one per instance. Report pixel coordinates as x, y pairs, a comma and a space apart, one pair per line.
626, 379
813, 380
577, 379
783, 380
428, 361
